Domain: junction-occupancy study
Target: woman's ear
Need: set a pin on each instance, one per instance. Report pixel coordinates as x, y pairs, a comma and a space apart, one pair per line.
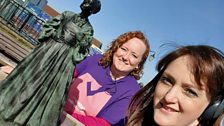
220, 120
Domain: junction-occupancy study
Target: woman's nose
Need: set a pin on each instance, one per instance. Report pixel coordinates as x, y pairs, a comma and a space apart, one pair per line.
125, 55
172, 95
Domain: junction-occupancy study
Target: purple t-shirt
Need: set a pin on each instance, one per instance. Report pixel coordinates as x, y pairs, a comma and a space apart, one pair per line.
94, 93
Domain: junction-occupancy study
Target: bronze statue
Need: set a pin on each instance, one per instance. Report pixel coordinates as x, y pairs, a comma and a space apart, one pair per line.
34, 92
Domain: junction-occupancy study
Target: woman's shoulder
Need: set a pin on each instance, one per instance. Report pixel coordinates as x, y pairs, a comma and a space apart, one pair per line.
131, 83
94, 56
69, 13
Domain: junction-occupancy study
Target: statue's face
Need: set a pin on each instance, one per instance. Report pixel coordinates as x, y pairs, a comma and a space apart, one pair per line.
86, 5
90, 6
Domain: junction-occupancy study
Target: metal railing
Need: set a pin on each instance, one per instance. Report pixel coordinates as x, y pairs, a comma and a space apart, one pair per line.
21, 19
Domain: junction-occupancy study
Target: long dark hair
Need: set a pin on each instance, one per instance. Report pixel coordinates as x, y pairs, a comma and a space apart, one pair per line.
207, 66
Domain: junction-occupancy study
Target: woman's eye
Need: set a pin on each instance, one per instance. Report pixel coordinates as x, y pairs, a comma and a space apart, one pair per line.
133, 55
191, 92
124, 49
166, 80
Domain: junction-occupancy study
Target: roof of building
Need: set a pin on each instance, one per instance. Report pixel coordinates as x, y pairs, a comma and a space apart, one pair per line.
50, 11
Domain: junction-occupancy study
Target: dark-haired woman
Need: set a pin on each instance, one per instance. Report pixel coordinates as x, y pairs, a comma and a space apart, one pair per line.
187, 91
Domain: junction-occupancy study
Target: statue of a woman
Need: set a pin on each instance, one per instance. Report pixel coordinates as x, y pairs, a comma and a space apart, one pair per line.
34, 92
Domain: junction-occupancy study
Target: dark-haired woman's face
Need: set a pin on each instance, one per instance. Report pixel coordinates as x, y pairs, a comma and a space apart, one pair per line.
178, 99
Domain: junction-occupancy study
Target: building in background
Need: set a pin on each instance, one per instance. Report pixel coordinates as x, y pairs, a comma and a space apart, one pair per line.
38, 3
50, 11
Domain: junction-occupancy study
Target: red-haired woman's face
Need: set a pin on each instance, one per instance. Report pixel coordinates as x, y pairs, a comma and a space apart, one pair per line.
128, 56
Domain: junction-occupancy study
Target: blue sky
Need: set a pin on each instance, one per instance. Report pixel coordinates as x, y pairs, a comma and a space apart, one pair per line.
181, 22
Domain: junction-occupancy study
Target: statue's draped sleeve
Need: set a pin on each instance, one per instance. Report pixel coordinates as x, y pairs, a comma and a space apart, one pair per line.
49, 29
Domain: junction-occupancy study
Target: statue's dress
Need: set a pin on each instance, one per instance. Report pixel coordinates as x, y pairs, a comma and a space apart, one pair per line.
34, 93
